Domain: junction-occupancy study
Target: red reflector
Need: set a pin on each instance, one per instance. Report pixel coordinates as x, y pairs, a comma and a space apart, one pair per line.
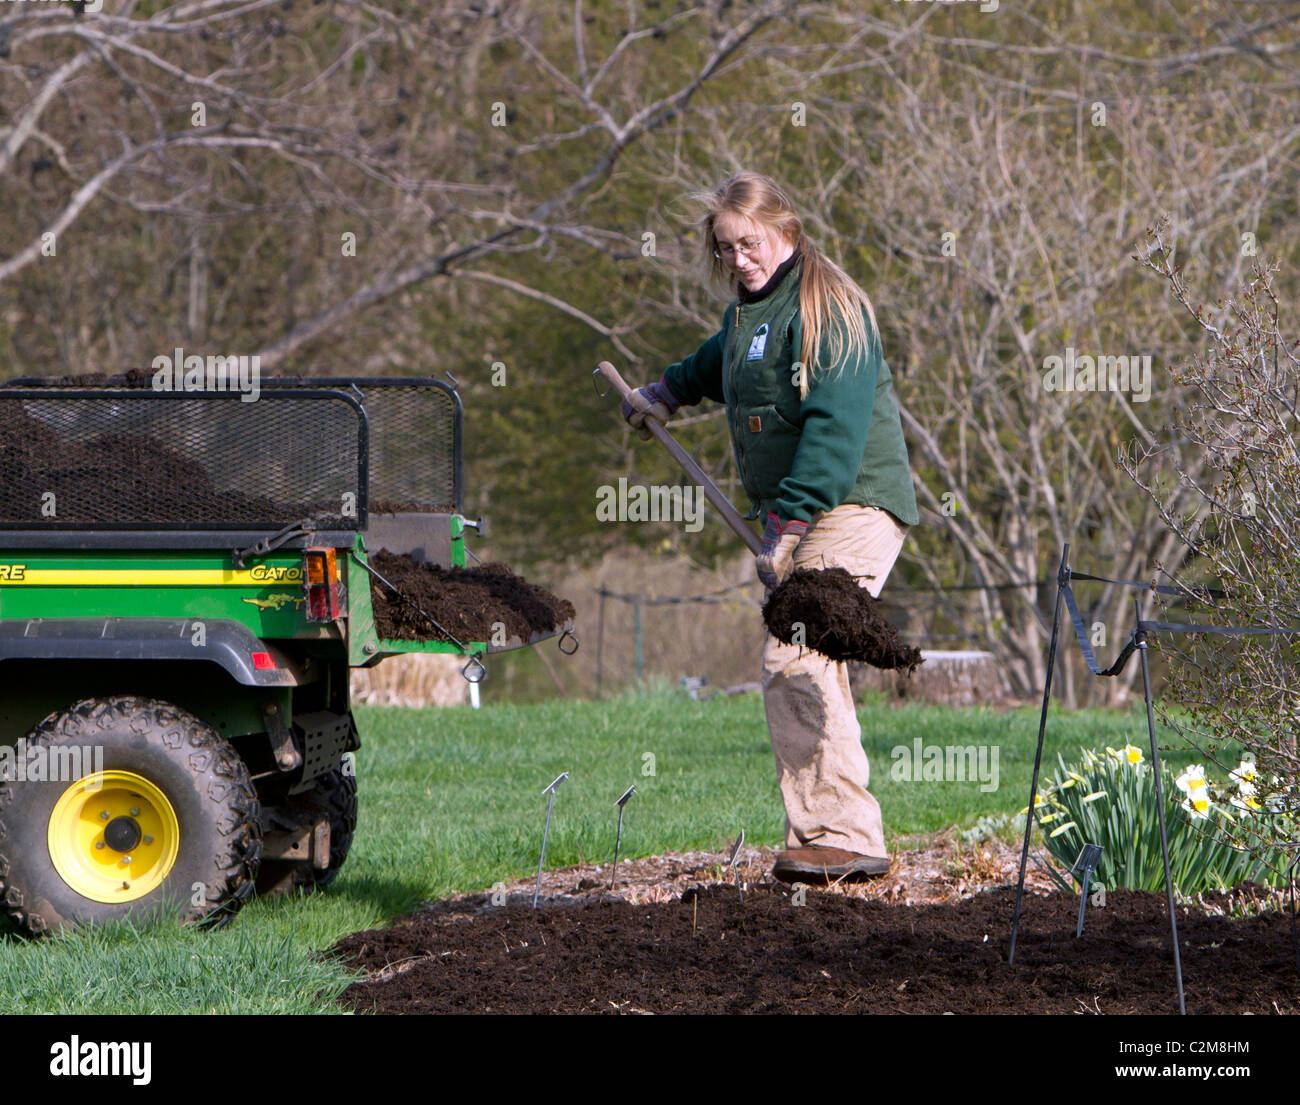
318, 603
263, 660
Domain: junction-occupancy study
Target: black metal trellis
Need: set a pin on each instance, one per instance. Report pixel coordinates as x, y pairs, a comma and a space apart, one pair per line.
1137, 643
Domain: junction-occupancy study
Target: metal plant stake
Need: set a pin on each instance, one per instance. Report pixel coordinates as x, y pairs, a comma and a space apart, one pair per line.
550, 805
618, 841
1084, 866
735, 851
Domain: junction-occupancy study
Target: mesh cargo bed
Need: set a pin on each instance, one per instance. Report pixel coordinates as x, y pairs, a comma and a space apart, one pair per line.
171, 464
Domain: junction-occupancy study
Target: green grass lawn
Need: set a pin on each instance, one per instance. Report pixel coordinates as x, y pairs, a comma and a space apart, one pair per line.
450, 802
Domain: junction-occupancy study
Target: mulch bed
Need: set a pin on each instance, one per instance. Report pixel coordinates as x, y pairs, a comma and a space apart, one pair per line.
407, 506
707, 952
839, 619
466, 602
109, 477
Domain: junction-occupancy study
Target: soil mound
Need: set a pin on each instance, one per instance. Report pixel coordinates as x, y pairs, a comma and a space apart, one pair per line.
840, 620
407, 506
132, 378
109, 478
467, 602
709, 953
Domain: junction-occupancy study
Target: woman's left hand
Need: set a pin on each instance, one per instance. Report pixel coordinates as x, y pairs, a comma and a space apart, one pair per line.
776, 557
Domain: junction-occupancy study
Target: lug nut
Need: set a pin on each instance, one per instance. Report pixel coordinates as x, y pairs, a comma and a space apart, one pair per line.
99, 844
135, 811
126, 859
148, 840
103, 815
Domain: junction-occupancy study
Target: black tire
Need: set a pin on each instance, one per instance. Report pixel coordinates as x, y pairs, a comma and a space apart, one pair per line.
334, 796
218, 831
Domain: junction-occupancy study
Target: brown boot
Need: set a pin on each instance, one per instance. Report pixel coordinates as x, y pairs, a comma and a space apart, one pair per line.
827, 865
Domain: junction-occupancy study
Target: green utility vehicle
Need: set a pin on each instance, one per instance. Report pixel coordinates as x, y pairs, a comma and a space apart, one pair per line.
184, 589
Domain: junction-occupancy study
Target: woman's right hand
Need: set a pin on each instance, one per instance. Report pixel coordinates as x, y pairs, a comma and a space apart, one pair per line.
654, 400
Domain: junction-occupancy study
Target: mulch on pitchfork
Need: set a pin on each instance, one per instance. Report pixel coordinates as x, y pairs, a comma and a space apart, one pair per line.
467, 602
825, 609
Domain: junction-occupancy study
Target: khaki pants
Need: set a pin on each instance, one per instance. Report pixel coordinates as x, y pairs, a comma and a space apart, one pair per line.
816, 739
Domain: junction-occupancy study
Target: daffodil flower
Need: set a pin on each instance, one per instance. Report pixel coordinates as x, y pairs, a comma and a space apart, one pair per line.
1132, 754
1197, 804
1193, 779
1062, 828
1246, 802
1093, 796
1245, 777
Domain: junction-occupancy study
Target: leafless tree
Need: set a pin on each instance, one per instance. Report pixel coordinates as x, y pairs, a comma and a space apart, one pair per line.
1236, 517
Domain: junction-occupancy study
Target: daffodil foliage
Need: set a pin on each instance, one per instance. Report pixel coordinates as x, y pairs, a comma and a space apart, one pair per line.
1220, 834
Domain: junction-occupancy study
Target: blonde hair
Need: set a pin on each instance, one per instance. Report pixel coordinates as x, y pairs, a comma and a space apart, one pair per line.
830, 301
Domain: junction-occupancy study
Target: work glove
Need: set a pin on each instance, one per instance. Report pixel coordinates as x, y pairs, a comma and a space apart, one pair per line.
776, 557
653, 399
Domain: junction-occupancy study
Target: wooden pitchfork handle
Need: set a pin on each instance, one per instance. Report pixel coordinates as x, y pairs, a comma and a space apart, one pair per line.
720, 502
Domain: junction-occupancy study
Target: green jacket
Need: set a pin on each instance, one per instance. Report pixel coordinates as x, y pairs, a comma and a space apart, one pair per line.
843, 444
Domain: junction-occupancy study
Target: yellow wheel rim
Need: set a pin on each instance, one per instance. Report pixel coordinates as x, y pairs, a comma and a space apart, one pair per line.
113, 836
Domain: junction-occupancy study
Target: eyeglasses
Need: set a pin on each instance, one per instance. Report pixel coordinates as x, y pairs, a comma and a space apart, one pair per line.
748, 247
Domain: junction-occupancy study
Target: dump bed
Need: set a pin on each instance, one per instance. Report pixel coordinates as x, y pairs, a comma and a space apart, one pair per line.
128, 502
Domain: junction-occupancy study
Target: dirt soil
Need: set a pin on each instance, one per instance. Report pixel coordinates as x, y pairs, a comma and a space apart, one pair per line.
100, 476
108, 478
925, 939
466, 602
841, 620
132, 378
407, 506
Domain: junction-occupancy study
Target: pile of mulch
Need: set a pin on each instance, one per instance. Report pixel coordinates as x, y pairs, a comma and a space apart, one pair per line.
839, 619
467, 603
936, 869
710, 953
407, 506
116, 475
108, 478
132, 378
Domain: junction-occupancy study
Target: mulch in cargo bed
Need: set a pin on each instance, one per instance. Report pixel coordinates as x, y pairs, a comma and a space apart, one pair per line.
109, 478
709, 953
824, 609
467, 602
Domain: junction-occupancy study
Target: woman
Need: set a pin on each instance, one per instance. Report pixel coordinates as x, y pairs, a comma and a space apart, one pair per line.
819, 447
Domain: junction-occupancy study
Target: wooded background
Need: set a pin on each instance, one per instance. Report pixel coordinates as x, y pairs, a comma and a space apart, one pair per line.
497, 191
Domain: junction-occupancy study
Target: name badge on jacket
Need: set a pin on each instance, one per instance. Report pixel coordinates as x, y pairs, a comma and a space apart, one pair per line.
757, 346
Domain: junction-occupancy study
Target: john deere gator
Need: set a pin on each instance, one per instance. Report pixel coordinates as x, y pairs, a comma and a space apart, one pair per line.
184, 588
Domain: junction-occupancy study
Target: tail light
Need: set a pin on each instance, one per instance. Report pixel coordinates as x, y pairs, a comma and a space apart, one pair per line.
322, 584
